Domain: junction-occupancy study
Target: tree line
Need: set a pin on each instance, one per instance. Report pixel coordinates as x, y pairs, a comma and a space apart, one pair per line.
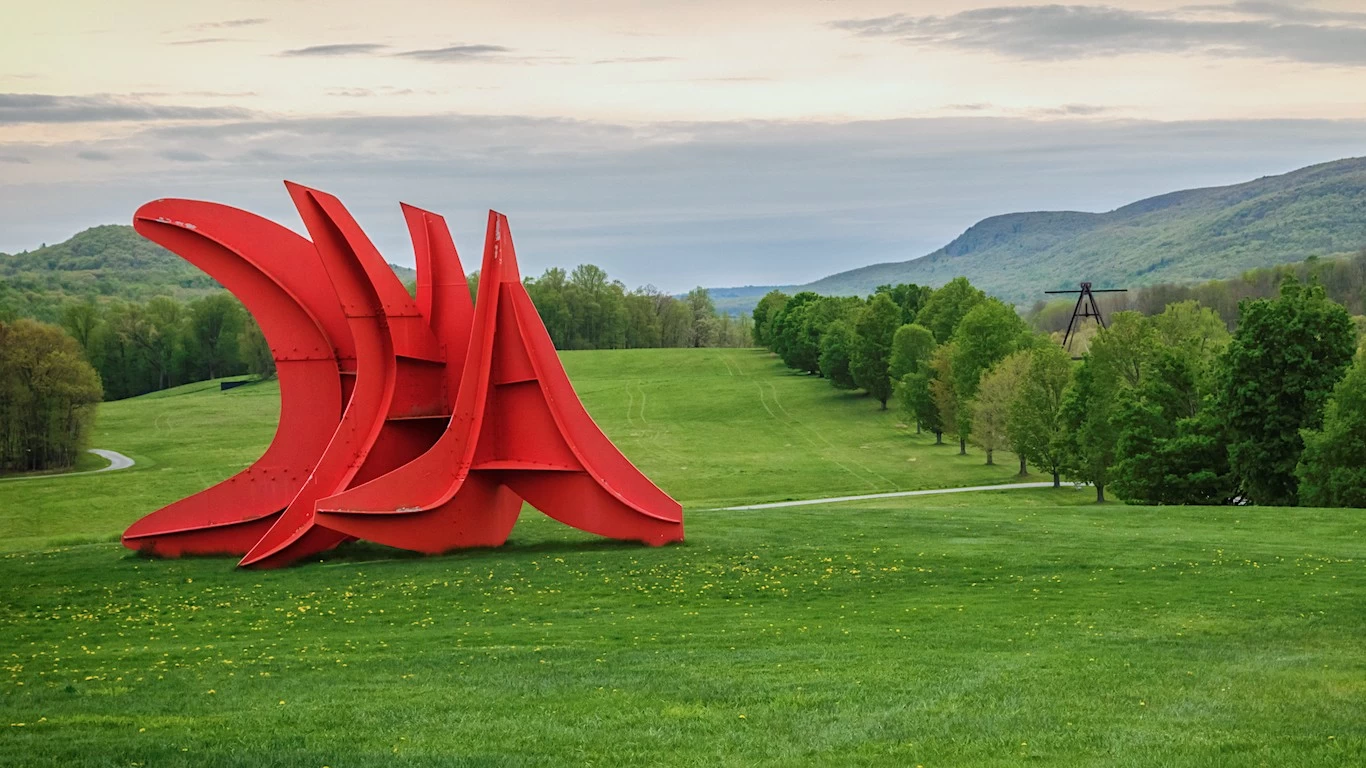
1164, 408
1344, 281
139, 347
585, 309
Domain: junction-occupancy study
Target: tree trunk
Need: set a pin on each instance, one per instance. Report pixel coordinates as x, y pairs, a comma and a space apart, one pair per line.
884, 405
989, 461
1024, 469
962, 446
938, 437
917, 427
1057, 482
1100, 493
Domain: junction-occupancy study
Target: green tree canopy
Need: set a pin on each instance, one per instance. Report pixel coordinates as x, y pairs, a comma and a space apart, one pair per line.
947, 306
764, 313
1036, 425
836, 347
989, 332
1332, 469
873, 332
909, 297
912, 346
47, 396
1275, 378
1087, 406
215, 324
945, 395
1169, 446
996, 394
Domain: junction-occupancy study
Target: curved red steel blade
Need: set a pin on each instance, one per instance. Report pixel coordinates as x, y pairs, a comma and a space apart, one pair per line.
278, 277
417, 507
517, 423
383, 424
443, 293
609, 496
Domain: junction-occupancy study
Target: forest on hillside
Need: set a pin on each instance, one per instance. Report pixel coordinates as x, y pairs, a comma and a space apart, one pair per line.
101, 264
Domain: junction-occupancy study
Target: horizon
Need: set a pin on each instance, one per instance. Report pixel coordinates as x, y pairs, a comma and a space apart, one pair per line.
712, 145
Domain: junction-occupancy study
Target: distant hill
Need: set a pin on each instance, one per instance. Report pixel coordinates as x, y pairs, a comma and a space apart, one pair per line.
1195, 234
106, 262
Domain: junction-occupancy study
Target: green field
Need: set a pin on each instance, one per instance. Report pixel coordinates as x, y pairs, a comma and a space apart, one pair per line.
984, 629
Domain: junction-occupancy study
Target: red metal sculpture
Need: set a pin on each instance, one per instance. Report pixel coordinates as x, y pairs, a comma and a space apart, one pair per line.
418, 424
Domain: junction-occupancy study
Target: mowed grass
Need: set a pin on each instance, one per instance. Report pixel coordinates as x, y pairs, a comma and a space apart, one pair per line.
712, 427
1004, 628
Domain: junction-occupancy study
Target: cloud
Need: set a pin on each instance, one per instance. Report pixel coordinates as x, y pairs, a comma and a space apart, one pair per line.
205, 41
184, 156
1058, 32
231, 23
15, 159
17, 108
1280, 11
336, 49
1082, 110
360, 93
637, 60
95, 155
457, 54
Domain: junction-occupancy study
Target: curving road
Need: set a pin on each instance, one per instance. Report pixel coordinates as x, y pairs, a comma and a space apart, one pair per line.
116, 461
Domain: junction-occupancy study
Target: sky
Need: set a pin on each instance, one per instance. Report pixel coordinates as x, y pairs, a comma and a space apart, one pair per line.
682, 143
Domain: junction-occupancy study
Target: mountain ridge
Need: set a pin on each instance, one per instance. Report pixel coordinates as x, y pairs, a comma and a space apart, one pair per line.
1182, 236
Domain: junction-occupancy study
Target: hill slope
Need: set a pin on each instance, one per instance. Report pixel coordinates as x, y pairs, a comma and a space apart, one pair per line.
110, 261
1196, 234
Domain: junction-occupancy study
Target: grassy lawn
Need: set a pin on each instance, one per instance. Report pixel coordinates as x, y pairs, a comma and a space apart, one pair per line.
983, 629
712, 427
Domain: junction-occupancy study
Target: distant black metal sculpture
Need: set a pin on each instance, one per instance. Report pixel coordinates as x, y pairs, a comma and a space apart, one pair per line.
1086, 308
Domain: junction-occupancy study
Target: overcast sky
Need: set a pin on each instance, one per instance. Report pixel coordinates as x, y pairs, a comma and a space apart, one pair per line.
673, 143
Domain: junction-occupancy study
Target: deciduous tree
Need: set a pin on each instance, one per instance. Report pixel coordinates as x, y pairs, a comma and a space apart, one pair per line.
1278, 372
836, 346
912, 346
1169, 447
764, 313
1036, 423
916, 396
47, 396
1332, 469
946, 401
873, 332
1087, 406
947, 306
996, 395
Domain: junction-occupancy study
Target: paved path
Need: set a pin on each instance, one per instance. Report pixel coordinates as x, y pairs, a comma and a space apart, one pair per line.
897, 494
116, 461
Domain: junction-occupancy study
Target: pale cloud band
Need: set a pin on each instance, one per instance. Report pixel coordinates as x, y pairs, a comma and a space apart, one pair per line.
1056, 32
22, 108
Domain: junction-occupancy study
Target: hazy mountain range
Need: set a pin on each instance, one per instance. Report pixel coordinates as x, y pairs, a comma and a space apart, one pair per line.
1191, 235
